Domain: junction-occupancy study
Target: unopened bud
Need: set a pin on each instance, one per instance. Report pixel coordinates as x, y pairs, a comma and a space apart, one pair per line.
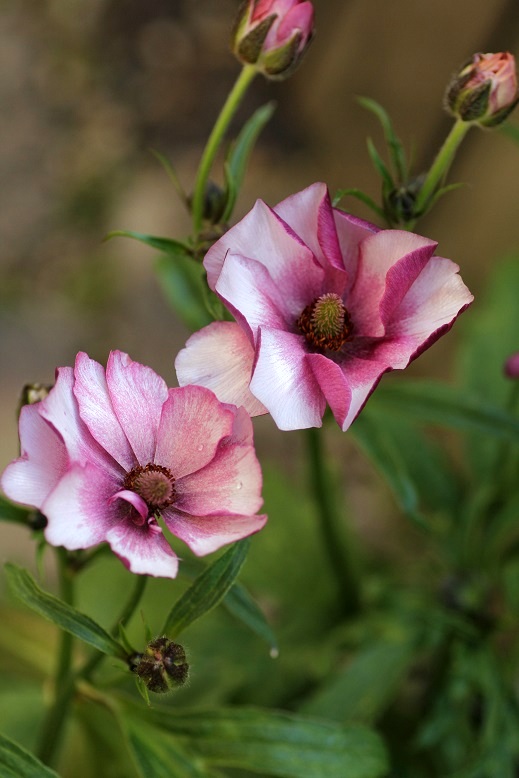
485, 89
162, 667
273, 34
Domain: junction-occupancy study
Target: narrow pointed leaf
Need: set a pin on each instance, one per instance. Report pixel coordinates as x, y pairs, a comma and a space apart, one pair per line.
172, 175
387, 180
208, 589
66, 617
183, 282
394, 144
14, 513
443, 191
438, 403
274, 743
16, 762
360, 195
166, 245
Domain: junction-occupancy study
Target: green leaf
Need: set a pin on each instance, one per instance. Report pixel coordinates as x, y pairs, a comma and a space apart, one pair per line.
208, 589
443, 191
360, 195
66, 617
166, 245
238, 156
157, 755
172, 175
16, 762
395, 148
183, 282
386, 456
387, 180
273, 743
511, 131
14, 513
436, 403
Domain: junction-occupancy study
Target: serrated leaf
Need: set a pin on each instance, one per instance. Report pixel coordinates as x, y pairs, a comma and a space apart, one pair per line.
208, 589
360, 195
273, 743
395, 148
16, 762
166, 245
436, 403
183, 282
67, 618
14, 513
239, 153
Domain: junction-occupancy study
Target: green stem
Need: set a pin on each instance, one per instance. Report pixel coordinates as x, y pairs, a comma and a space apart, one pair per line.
441, 164
53, 725
226, 114
332, 529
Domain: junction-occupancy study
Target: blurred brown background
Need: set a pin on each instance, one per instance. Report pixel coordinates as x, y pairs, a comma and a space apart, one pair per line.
87, 87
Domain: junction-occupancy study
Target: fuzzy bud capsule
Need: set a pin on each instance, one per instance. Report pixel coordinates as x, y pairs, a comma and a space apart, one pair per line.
273, 35
163, 666
485, 89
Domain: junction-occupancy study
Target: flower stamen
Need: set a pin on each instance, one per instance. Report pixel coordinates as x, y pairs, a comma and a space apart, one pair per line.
325, 323
154, 484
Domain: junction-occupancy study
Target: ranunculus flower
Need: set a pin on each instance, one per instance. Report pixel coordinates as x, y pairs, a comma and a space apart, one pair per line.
485, 89
108, 452
325, 304
273, 35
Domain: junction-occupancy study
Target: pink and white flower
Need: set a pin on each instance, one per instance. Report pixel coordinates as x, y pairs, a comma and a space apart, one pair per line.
108, 452
325, 304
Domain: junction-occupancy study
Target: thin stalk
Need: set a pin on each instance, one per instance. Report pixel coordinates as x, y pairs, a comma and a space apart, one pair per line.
53, 725
441, 164
213, 144
332, 530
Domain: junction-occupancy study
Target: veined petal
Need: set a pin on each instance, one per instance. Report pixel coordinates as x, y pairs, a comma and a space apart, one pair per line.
32, 477
137, 394
96, 410
143, 550
350, 233
220, 357
230, 483
284, 382
206, 534
192, 425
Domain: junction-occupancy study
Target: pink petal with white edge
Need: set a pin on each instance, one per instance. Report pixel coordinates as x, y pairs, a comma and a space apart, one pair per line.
351, 231
309, 213
31, 477
192, 425
346, 387
231, 483
285, 383
79, 511
96, 410
137, 394
206, 534
61, 410
263, 236
379, 253
143, 550
220, 357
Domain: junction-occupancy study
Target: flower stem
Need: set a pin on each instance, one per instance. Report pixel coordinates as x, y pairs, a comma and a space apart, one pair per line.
441, 164
332, 530
53, 725
226, 114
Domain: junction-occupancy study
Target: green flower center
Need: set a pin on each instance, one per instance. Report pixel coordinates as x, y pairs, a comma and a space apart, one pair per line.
325, 323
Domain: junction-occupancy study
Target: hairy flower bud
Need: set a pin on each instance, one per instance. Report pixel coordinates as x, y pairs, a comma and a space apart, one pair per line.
485, 89
163, 666
273, 34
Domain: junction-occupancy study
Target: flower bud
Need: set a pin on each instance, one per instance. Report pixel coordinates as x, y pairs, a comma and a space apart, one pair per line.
162, 667
511, 366
273, 34
485, 89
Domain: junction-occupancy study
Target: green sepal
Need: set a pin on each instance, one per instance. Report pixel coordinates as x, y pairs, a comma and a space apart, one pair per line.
208, 589
67, 618
250, 46
16, 762
239, 153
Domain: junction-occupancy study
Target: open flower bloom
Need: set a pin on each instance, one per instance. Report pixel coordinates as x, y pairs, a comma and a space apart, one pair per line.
325, 304
108, 452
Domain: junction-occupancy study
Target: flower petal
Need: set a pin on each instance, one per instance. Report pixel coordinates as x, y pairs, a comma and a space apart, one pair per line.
220, 357
143, 550
284, 382
96, 410
31, 477
192, 425
230, 483
206, 534
350, 233
135, 501
137, 394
